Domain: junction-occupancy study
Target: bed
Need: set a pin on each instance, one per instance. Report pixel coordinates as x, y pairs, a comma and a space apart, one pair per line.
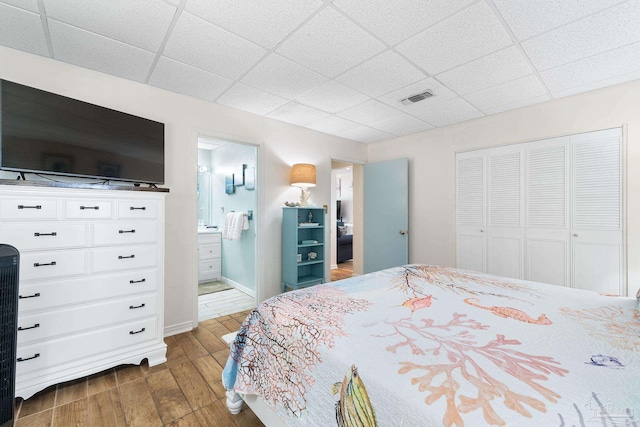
422, 345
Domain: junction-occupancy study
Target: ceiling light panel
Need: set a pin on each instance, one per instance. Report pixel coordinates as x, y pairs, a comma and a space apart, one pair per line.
140, 23
587, 37
468, 35
382, 74
89, 50
250, 99
330, 44
282, 77
181, 78
203, 45
22, 30
263, 22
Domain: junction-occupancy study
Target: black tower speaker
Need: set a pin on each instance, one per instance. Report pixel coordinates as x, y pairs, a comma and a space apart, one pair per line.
9, 262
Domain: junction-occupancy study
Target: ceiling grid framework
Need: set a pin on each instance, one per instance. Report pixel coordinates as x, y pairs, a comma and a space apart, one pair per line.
343, 66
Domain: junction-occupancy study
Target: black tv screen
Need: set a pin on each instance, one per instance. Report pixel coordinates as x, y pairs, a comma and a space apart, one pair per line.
42, 132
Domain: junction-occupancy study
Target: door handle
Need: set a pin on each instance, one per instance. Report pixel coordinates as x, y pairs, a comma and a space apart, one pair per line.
575, 235
403, 232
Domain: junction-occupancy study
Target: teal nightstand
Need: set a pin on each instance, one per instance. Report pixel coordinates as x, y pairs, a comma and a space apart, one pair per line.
302, 236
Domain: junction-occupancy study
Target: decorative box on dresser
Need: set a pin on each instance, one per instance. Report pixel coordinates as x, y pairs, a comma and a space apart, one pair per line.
91, 280
209, 256
302, 234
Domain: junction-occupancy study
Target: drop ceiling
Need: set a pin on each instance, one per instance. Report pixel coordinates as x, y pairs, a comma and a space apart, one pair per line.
342, 66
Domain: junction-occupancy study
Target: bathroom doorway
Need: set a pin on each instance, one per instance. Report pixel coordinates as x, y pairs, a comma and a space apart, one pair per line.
227, 209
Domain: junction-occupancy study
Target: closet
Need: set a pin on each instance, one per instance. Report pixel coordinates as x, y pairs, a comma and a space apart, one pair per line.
548, 211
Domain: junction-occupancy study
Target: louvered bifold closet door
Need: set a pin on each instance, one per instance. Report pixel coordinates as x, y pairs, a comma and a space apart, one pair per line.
470, 212
547, 211
505, 231
596, 232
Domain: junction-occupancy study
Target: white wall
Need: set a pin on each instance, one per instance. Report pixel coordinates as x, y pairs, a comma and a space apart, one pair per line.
280, 146
432, 162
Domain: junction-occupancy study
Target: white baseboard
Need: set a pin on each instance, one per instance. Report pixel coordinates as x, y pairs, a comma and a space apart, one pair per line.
178, 329
238, 286
334, 266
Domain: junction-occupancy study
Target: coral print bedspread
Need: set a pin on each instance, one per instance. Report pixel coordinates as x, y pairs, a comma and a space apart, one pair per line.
428, 346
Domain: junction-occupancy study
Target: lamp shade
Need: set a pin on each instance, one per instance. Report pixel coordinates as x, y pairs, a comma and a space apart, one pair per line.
303, 175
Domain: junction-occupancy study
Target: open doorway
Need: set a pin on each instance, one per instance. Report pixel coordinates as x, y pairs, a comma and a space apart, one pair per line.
227, 210
344, 220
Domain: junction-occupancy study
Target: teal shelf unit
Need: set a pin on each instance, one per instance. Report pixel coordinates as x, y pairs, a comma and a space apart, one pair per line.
298, 239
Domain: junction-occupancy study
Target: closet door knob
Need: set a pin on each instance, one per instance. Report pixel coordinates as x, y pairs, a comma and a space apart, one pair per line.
403, 232
482, 231
575, 235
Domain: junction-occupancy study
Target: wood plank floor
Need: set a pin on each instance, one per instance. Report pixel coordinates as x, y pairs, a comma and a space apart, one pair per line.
186, 391
344, 271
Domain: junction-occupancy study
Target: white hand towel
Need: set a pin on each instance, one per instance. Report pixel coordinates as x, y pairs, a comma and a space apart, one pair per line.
228, 221
235, 222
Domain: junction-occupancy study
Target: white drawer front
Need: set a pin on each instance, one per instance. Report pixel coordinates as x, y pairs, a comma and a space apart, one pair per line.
28, 208
124, 232
206, 238
122, 258
28, 236
137, 209
38, 296
45, 265
76, 347
209, 269
209, 251
87, 209
49, 324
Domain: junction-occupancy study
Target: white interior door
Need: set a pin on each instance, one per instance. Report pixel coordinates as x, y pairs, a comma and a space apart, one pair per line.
471, 236
386, 214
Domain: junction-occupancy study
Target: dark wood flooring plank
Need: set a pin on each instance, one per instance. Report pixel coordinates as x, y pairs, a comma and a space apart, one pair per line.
187, 421
170, 401
215, 414
193, 386
211, 371
127, 373
41, 419
208, 339
38, 402
191, 346
71, 391
101, 381
72, 414
105, 409
137, 403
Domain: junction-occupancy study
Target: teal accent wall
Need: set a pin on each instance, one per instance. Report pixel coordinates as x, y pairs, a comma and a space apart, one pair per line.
238, 256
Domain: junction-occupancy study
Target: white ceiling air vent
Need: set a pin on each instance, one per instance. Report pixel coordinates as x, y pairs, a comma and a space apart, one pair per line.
417, 97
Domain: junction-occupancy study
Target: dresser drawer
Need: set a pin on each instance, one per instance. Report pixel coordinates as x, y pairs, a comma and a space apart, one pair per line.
26, 236
123, 258
207, 238
209, 251
209, 269
45, 295
28, 208
124, 232
77, 347
138, 209
49, 324
46, 265
87, 209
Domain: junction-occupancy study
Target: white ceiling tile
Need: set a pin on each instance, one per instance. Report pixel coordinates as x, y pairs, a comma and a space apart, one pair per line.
297, 114
330, 44
89, 50
598, 84
499, 67
448, 112
369, 112
606, 65
250, 99
513, 92
468, 35
173, 2
382, 74
395, 20
332, 97
401, 125
203, 45
365, 134
333, 125
441, 93
527, 18
30, 5
606, 30
177, 77
140, 23
282, 77
263, 22
20, 29
517, 104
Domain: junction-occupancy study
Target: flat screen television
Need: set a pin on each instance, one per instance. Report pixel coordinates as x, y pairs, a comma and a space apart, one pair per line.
41, 132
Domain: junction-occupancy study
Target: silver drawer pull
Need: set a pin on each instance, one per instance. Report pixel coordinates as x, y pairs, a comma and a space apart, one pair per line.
133, 307
37, 294
24, 359
125, 257
126, 231
45, 234
90, 207
37, 325
136, 332
138, 281
29, 207
37, 264
133, 208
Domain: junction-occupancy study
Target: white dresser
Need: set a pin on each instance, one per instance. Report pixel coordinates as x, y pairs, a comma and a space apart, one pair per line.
91, 280
209, 256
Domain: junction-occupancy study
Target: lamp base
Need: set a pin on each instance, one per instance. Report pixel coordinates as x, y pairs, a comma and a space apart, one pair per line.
305, 194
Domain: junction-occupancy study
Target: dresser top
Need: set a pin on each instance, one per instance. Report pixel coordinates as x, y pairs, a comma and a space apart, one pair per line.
82, 185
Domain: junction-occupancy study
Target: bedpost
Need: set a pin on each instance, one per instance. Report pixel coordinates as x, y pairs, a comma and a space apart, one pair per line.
234, 402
